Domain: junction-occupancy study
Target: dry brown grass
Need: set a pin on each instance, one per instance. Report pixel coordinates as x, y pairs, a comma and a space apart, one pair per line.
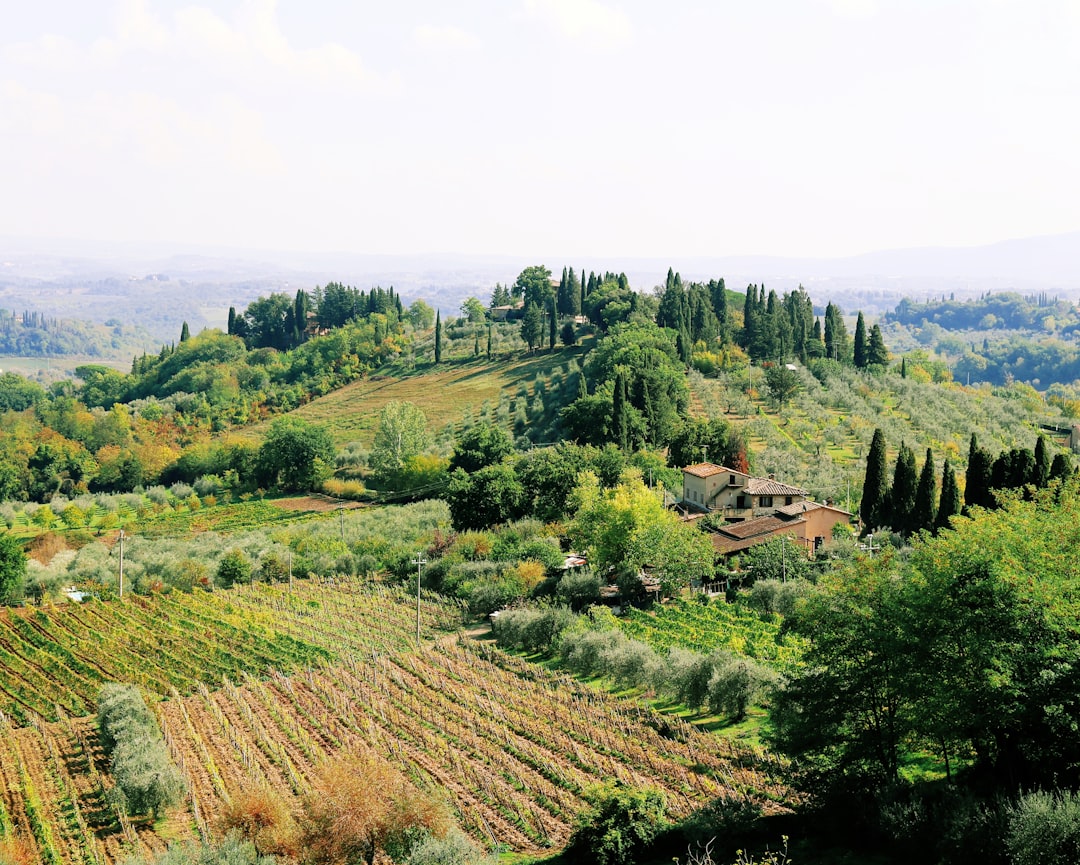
45, 546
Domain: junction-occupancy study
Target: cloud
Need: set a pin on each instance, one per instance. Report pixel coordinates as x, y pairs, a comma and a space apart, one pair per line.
585, 19
445, 37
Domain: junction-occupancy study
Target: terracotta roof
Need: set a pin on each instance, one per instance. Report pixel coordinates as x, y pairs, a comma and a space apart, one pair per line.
798, 508
739, 536
707, 470
769, 487
759, 526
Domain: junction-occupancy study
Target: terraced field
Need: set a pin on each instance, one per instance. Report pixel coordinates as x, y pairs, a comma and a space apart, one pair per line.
511, 744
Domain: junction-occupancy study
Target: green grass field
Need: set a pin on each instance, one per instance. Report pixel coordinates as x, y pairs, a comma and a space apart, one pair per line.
444, 394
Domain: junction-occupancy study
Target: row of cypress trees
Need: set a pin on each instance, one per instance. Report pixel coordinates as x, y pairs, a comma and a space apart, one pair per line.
907, 505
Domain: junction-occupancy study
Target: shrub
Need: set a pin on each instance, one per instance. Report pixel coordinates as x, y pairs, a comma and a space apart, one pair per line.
146, 780
234, 567
1044, 829
735, 683
453, 849
578, 589
618, 826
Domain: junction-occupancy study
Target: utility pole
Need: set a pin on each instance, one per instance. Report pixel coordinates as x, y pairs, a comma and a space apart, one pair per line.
121, 564
419, 561
341, 521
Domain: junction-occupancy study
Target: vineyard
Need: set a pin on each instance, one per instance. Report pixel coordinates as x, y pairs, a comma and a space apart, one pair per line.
512, 745
691, 624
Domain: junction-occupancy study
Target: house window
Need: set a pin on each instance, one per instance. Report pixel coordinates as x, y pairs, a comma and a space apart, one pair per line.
732, 481
787, 500
765, 502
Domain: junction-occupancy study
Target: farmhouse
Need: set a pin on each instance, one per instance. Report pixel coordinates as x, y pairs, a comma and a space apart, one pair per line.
806, 524
709, 488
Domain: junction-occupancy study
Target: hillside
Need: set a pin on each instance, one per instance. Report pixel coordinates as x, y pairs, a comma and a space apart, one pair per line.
512, 747
445, 393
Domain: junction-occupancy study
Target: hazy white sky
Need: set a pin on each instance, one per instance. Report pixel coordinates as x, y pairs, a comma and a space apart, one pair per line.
546, 127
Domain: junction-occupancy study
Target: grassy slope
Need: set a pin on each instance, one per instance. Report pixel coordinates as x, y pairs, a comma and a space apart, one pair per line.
444, 393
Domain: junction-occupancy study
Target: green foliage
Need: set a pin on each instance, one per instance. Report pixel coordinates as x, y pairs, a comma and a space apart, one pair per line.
296, 455
713, 440
12, 569
779, 559
139, 761
487, 497
232, 850
402, 434
480, 445
875, 493
1044, 829
619, 825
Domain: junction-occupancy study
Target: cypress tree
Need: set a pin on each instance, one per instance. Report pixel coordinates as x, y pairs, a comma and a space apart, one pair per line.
489, 342
438, 336
553, 320
861, 343
949, 504
476, 344
925, 508
620, 413
903, 367
876, 353
902, 496
977, 478
875, 487
185, 333
582, 385
1061, 468
231, 329
1041, 475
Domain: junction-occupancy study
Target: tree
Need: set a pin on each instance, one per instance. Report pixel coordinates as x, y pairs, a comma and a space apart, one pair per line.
532, 326
949, 504
487, 497
482, 444
296, 455
438, 336
233, 568
421, 316
783, 383
402, 434
185, 332
875, 494
12, 569
877, 354
713, 440
553, 321
862, 345
977, 481
489, 341
902, 495
620, 420
924, 511
534, 284
473, 310
1041, 475
568, 335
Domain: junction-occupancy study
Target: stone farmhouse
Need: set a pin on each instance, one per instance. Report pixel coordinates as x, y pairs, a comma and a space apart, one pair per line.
756, 510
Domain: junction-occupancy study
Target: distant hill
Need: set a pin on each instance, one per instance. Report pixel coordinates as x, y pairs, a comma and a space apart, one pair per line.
161, 286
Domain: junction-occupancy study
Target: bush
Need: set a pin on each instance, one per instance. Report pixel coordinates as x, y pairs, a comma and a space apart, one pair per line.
578, 589
1044, 829
735, 683
618, 826
454, 849
146, 780
234, 567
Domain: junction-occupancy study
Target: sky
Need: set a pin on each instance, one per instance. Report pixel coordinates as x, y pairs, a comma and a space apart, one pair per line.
541, 127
